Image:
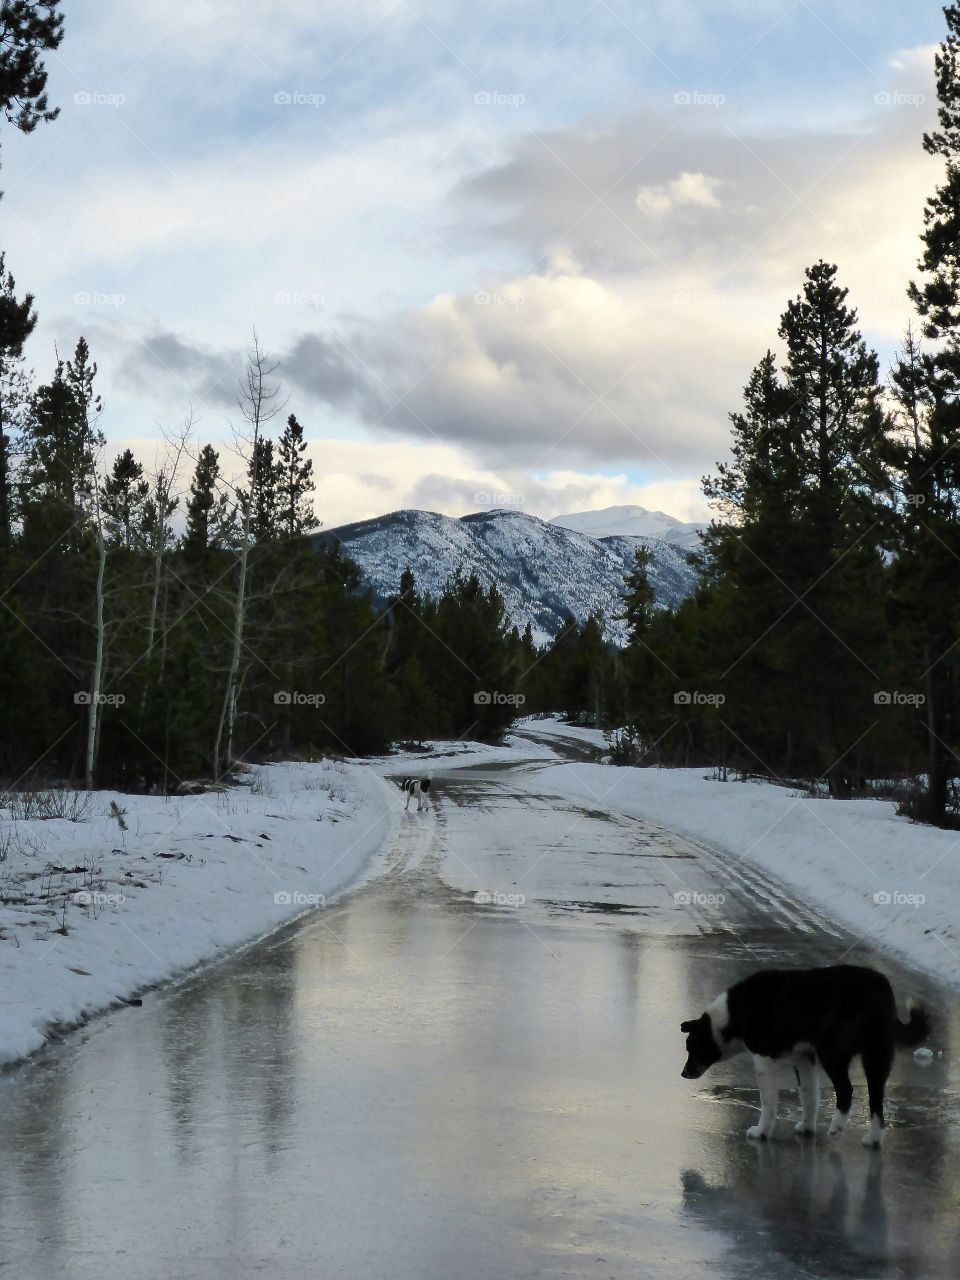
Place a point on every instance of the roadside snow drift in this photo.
(894, 882)
(91, 913)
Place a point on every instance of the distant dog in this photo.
(807, 1018)
(419, 787)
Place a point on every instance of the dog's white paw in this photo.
(873, 1140)
(804, 1130)
(838, 1123)
(757, 1133)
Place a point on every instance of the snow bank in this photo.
(896, 884)
(91, 914)
(444, 755)
(554, 727)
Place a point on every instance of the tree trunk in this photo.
(258, 403)
(228, 713)
(4, 489)
(937, 763)
(97, 680)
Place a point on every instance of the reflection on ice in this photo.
(470, 1067)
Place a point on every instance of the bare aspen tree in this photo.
(162, 506)
(81, 373)
(96, 678)
(259, 403)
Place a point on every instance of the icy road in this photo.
(470, 1068)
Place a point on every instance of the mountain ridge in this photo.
(632, 521)
(544, 571)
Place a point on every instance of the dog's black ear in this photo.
(686, 1027)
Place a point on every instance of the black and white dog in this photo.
(807, 1018)
(419, 787)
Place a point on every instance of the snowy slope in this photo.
(893, 882)
(632, 522)
(91, 914)
(543, 571)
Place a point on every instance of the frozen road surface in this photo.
(470, 1069)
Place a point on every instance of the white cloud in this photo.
(360, 479)
(655, 202)
(633, 266)
(695, 188)
(687, 189)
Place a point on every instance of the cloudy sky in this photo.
(506, 255)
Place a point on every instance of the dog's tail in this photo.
(916, 1028)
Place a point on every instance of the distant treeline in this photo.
(137, 656)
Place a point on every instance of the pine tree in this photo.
(638, 597)
(17, 322)
(209, 517)
(797, 550)
(407, 634)
(927, 387)
(263, 476)
(937, 296)
(764, 452)
(62, 440)
(28, 28)
(470, 656)
(294, 483)
(123, 497)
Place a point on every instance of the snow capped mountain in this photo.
(544, 571)
(632, 522)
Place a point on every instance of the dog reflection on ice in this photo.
(777, 1200)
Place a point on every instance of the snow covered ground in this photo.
(444, 755)
(90, 914)
(894, 882)
(554, 727)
